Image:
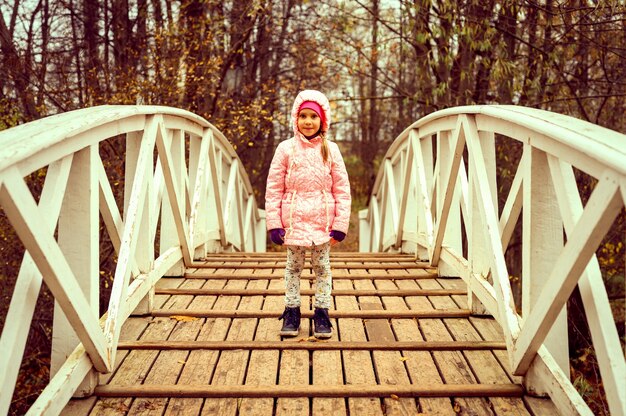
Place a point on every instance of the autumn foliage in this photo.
(384, 65)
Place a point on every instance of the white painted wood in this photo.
(542, 241)
(78, 239)
(144, 251)
(598, 215)
(567, 141)
(196, 168)
(479, 285)
(173, 193)
(52, 142)
(133, 216)
(198, 163)
(111, 214)
(27, 286)
(156, 201)
(239, 210)
(365, 245)
(375, 229)
(513, 205)
(247, 231)
(216, 191)
(593, 293)
(407, 203)
(452, 235)
(168, 237)
(393, 223)
(423, 163)
(60, 389)
(27, 221)
(477, 246)
(507, 315)
(558, 386)
(260, 227)
(141, 286)
(382, 224)
(447, 191)
(229, 201)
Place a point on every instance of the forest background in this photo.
(382, 63)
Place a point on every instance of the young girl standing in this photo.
(307, 206)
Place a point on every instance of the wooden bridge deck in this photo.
(403, 343)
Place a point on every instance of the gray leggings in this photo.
(320, 261)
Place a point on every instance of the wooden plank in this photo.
(200, 364)
(363, 314)
(451, 364)
(263, 364)
(231, 392)
(131, 330)
(540, 406)
(420, 365)
(489, 329)
(410, 265)
(389, 366)
(348, 257)
(327, 370)
(298, 345)
(484, 364)
(335, 254)
(294, 365)
(137, 364)
(307, 274)
(231, 367)
(278, 292)
(169, 364)
(358, 367)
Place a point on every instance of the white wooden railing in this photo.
(183, 183)
(436, 189)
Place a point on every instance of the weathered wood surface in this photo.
(391, 352)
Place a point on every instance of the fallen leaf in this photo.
(182, 362)
(457, 407)
(184, 318)
(403, 359)
(395, 397)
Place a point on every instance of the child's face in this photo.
(308, 122)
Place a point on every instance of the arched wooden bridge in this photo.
(424, 317)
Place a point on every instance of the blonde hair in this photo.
(325, 149)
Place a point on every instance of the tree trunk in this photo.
(19, 72)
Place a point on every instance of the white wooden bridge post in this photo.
(195, 146)
(169, 237)
(478, 252)
(425, 178)
(144, 253)
(364, 232)
(452, 234)
(542, 239)
(78, 237)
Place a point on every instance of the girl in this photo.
(307, 206)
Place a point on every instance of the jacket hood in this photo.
(310, 95)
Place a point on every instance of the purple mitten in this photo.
(337, 235)
(276, 235)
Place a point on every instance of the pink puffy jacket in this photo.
(304, 195)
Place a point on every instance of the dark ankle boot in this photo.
(321, 322)
(291, 322)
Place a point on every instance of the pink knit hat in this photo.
(312, 105)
